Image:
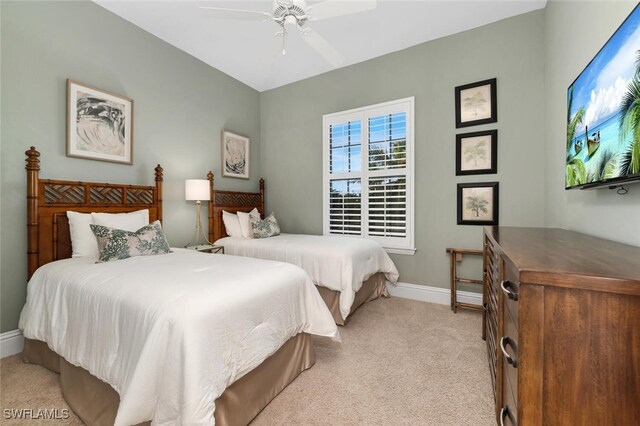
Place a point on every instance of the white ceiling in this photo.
(239, 48)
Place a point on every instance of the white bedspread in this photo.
(171, 332)
(336, 262)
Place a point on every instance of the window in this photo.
(368, 174)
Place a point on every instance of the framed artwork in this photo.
(478, 203)
(476, 103)
(99, 124)
(477, 153)
(235, 155)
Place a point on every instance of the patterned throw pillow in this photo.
(265, 228)
(116, 244)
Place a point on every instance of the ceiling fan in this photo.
(294, 14)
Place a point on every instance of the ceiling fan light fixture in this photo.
(290, 22)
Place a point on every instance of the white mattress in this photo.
(171, 332)
(336, 262)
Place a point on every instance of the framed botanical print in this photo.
(476, 103)
(235, 155)
(99, 124)
(478, 203)
(477, 153)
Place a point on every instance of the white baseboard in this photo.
(430, 294)
(11, 343)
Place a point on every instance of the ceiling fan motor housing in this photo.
(282, 9)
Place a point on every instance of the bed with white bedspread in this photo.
(170, 332)
(339, 263)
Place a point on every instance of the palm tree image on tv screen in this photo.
(603, 113)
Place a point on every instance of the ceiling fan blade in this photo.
(323, 47)
(332, 8)
(252, 15)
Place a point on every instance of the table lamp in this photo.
(197, 190)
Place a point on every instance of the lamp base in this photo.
(199, 239)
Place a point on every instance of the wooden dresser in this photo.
(562, 326)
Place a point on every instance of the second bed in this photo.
(348, 271)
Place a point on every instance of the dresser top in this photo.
(552, 251)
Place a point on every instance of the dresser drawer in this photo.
(510, 288)
(509, 340)
(509, 412)
(510, 384)
(508, 347)
(510, 327)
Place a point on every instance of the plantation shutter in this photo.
(345, 189)
(368, 174)
(388, 141)
(345, 210)
(345, 147)
(388, 207)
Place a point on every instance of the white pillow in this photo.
(245, 222)
(83, 242)
(125, 221)
(232, 224)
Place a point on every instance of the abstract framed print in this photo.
(235, 155)
(99, 124)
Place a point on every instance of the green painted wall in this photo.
(181, 105)
(575, 32)
(511, 50)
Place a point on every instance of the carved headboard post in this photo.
(159, 179)
(264, 212)
(33, 167)
(212, 202)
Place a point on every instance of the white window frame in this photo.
(391, 245)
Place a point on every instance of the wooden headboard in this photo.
(232, 202)
(48, 236)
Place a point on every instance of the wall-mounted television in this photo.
(603, 114)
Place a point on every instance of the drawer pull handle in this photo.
(506, 340)
(504, 412)
(506, 288)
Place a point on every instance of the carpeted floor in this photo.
(401, 362)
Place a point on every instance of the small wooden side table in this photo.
(207, 249)
(456, 255)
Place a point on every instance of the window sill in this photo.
(396, 250)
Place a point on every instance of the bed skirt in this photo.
(96, 402)
(371, 289)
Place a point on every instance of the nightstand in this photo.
(207, 249)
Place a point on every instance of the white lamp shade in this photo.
(196, 189)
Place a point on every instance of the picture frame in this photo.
(477, 153)
(235, 155)
(478, 203)
(99, 124)
(476, 103)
